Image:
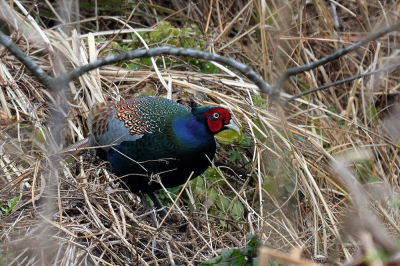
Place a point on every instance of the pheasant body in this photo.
(146, 138)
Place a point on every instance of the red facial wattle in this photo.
(215, 125)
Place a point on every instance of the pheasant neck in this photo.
(191, 131)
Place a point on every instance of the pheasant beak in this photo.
(232, 126)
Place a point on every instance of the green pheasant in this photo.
(151, 139)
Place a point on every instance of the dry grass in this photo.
(68, 214)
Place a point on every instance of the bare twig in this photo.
(293, 71)
(339, 82)
(57, 84)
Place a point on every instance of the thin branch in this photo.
(39, 73)
(57, 84)
(166, 50)
(339, 82)
(293, 71)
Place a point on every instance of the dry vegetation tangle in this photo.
(322, 173)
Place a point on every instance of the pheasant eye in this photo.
(216, 115)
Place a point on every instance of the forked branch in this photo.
(57, 84)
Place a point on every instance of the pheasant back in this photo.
(128, 120)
